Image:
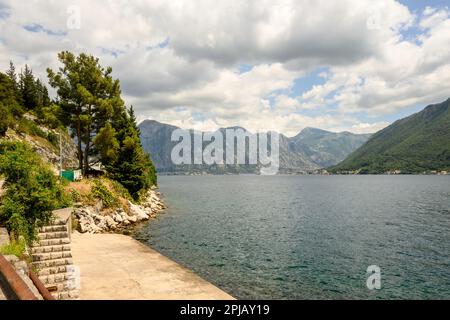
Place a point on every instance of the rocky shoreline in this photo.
(97, 219)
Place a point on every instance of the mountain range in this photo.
(416, 144)
(310, 150)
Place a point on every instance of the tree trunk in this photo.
(88, 145)
(86, 156)
(80, 150)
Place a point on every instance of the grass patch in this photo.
(100, 191)
(120, 190)
(15, 248)
(89, 191)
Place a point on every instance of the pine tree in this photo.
(42, 98)
(89, 97)
(28, 89)
(92, 107)
(106, 144)
(11, 73)
(133, 120)
(133, 168)
(9, 107)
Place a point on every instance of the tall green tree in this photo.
(88, 96)
(28, 88)
(132, 167)
(11, 73)
(9, 107)
(107, 144)
(42, 98)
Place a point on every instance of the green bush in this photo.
(10, 109)
(75, 195)
(121, 190)
(32, 190)
(31, 128)
(53, 138)
(50, 116)
(6, 120)
(100, 191)
(16, 248)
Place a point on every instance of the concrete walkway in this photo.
(114, 266)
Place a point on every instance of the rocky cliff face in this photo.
(48, 151)
(310, 150)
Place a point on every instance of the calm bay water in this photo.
(309, 237)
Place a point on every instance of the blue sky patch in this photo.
(161, 45)
(417, 6)
(243, 68)
(180, 109)
(113, 52)
(37, 28)
(306, 83)
(5, 12)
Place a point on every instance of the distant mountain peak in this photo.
(311, 129)
(234, 128)
(150, 121)
(311, 149)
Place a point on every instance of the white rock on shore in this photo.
(96, 220)
(137, 211)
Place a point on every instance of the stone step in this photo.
(59, 222)
(47, 249)
(53, 242)
(53, 235)
(66, 295)
(57, 228)
(53, 270)
(53, 263)
(51, 256)
(52, 279)
(60, 286)
(65, 286)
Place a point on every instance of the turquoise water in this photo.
(309, 237)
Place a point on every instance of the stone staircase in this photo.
(52, 257)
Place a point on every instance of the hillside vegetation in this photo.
(416, 144)
(88, 110)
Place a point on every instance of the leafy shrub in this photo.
(121, 190)
(6, 120)
(31, 128)
(100, 191)
(32, 190)
(53, 138)
(9, 107)
(37, 131)
(50, 116)
(16, 248)
(75, 195)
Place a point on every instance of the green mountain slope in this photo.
(327, 148)
(418, 143)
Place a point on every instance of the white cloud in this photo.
(178, 61)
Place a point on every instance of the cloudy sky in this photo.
(355, 65)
